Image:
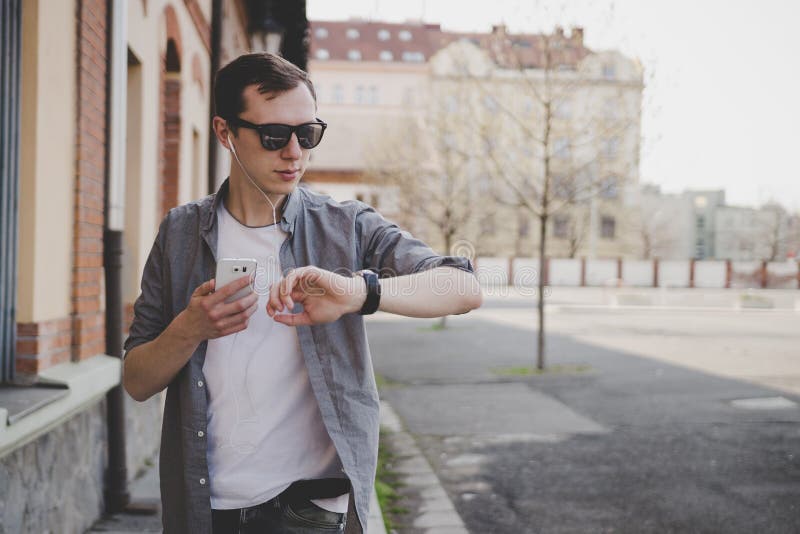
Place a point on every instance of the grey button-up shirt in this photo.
(346, 236)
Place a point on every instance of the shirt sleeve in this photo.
(390, 251)
(148, 310)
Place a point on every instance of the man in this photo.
(271, 416)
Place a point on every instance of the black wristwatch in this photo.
(373, 299)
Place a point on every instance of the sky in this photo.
(721, 106)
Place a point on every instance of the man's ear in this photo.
(221, 130)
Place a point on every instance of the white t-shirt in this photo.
(265, 429)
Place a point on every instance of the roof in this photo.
(359, 40)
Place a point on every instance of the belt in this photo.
(318, 488)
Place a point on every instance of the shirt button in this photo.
(200, 434)
(199, 383)
(202, 482)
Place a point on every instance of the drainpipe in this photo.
(116, 487)
(10, 77)
(216, 40)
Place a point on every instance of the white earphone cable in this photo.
(272, 205)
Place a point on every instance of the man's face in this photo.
(275, 171)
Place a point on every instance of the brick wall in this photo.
(41, 345)
(170, 105)
(88, 330)
(170, 149)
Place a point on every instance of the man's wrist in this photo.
(182, 333)
(358, 293)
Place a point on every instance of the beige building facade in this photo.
(373, 78)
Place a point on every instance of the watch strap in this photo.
(373, 299)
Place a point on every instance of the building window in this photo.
(610, 148)
(373, 95)
(563, 110)
(488, 224)
(609, 187)
(561, 148)
(360, 197)
(352, 33)
(524, 225)
(373, 199)
(338, 94)
(322, 53)
(527, 105)
(385, 55)
(610, 108)
(359, 98)
(608, 227)
(354, 55)
(562, 187)
(384, 35)
(321, 33)
(609, 72)
(408, 96)
(413, 57)
(561, 226)
(404, 35)
(701, 223)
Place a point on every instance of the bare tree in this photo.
(428, 161)
(551, 131)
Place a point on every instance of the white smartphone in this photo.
(230, 269)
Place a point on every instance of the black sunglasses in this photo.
(277, 136)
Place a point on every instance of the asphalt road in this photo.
(641, 430)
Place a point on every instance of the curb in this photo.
(437, 514)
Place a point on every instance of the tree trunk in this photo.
(542, 264)
(448, 239)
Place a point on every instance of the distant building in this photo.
(700, 225)
(752, 234)
(370, 76)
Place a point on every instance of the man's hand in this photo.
(325, 296)
(208, 316)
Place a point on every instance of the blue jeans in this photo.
(281, 515)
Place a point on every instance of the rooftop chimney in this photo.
(577, 35)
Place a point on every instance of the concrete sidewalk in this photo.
(146, 496)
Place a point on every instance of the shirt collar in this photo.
(288, 214)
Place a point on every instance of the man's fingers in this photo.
(205, 288)
(227, 290)
(293, 319)
(237, 306)
(287, 286)
(274, 300)
(234, 321)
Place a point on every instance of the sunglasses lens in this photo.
(309, 135)
(275, 136)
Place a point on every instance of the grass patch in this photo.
(533, 371)
(382, 382)
(386, 480)
(435, 327)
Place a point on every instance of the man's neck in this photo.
(248, 206)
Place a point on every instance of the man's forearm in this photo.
(151, 366)
(433, 293)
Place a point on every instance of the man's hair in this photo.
(271, 73)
